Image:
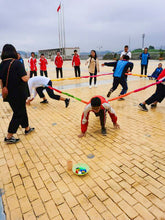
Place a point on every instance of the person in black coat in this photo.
(17, 91)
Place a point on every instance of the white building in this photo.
(66, 53)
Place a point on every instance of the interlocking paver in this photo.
(113, 208)
(57, 197)
(99, 206)
(16, 214)
(84, 202)
(123, 217)
(20, 191)
(129, 210)
(29, 215)
(65, 211)
(127, 173)
(143, 212)
(70, 199)
(142, 199)
(12, 202)
(113, 195)
(156, 212)
(127, 197)
(79, 213)
(93, 214)
(107, 215)
(51, 209)
(38, 207)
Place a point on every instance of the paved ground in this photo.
(127, 174)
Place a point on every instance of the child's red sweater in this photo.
(88, 109)
(58, 61)
(43, 64)
(76, 60)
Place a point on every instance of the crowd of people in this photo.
(20, 88)
(92, 62)
(58, 61)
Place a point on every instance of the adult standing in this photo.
(14, 77)
(145, 56)
(59, 62)
(93, 66)
(43, 65)
(125, 52)
(20, 58)
(33, 65)
(76, 63)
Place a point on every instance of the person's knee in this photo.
(51, 95)
(20, 113)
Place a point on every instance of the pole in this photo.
(63, 24)
(143, 36)
(99, 55)
(59, 34)
(129, 43)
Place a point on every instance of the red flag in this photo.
(59, 7)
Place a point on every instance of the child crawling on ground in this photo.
(100, 106)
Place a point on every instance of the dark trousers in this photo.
(49, 91)
(19, 116)
(91, 78)
(144, 67)
(158, 96)
(57, 72)
(122, 81)
(33, 73)
(77, 70)
(42, 72)
(102, 115)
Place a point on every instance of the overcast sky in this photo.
(33, 24)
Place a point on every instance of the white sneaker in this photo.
(95, 85)
(90, 87)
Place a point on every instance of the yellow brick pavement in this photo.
(127, 174)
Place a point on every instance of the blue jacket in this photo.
(120, 67)
(144, 58)
(157, 72)
(21, 60)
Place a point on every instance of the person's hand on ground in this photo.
(116, 126)
(29, 100)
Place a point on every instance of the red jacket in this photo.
(88, 109)
(43, 64)
(33, 64)
(58, 61)
(76, 60)
(161, 75)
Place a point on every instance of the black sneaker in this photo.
(44, 101)
(11, 140)
(29, 131)
(67, 102)
(143, 107)
(153, 106)
(109, 93)
(103, 131)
